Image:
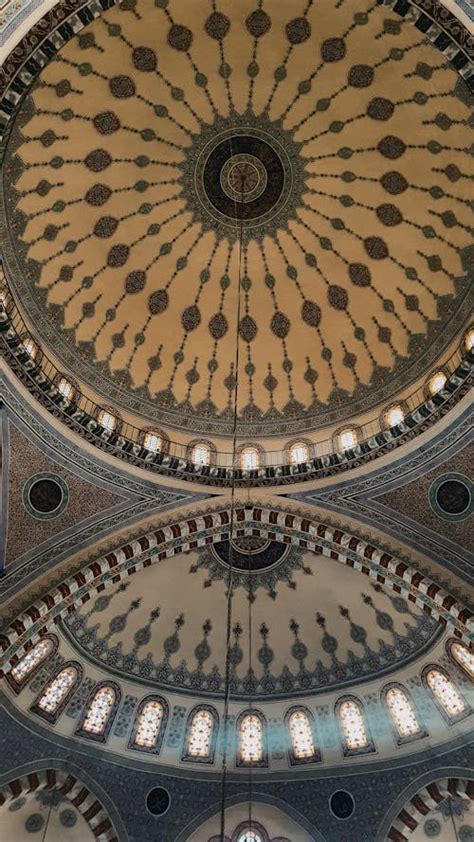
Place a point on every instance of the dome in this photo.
(173, 184)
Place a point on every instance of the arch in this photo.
(52, 712)
(35, 657)
(437, 681)
(69, 786)
(250, 717)
(210, 527)
(461, 656)
(256, 827)
(413, 729)
(423, 801)
(313, 756)
(210, 725)
(110, 711)
(352, 707)
(145, 746)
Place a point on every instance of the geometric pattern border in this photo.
(90, 808)
(414, 423)
(424, 801)
(182, 536)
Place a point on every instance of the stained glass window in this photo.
(352, 723)
(249, 458)
(394, 416)
(249, 836)
(201, 454)
(99, 710)
(65, 388)
(57, 690)
(402, 712)
(200, 734)
(153, 442)
(149, 722)
(301, 735)
(34, 657)
(299, 452)
(347, 439)
(463, 657)
(251, 739)
(445, 692)
(436, 383)
(107, 420)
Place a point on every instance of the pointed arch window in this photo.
(99, 712)
(299, 452)
(32, 660)
(251, 739)
(463, 657)
(353, 727)
(249, 458)
(150, 724)
(201, 454)
(300, 727)
(402, 713)
(201, 735)
(53, 698)
(446, 694)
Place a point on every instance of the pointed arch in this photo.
(36, 657)
(54, 696)
(462, 656)
(419, 804)
(444, 692)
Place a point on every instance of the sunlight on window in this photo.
(30, 347)
(107, 420)
(299, 453)
(445, 692)
(463, 657)
(249, 458)
(201, 454)
(99, 711)
(250, 836)
(34, 657)
(153, 442)
(301, 735)
(402, 712)
(57, 690)
(353, 725)
(149, 723)
(251, 739)
(437, 382)
(65, 388)
(347, 439)
(200, 734)
(394, 416)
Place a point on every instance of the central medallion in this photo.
(244, 174)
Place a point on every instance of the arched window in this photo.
(30, 347)
(249, 458)
(107, 420)
(201, 735)
(251, 739)
(300, 727)
(153, 442)
(462, 656)
(150, 724)
(299, 452)
(65, 388)
(448, 697)
(394, 416)
(347, 439)
(31, 661)
(201, 454)
(469, 339)
(54, 696)
(402, 712)
(437, 382)
(249, 836)
(355, 736)
(99, 712)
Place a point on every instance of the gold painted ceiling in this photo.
(314, 152)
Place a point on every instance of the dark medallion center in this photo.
(45, 495)
(250, 554)
(453, 497)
